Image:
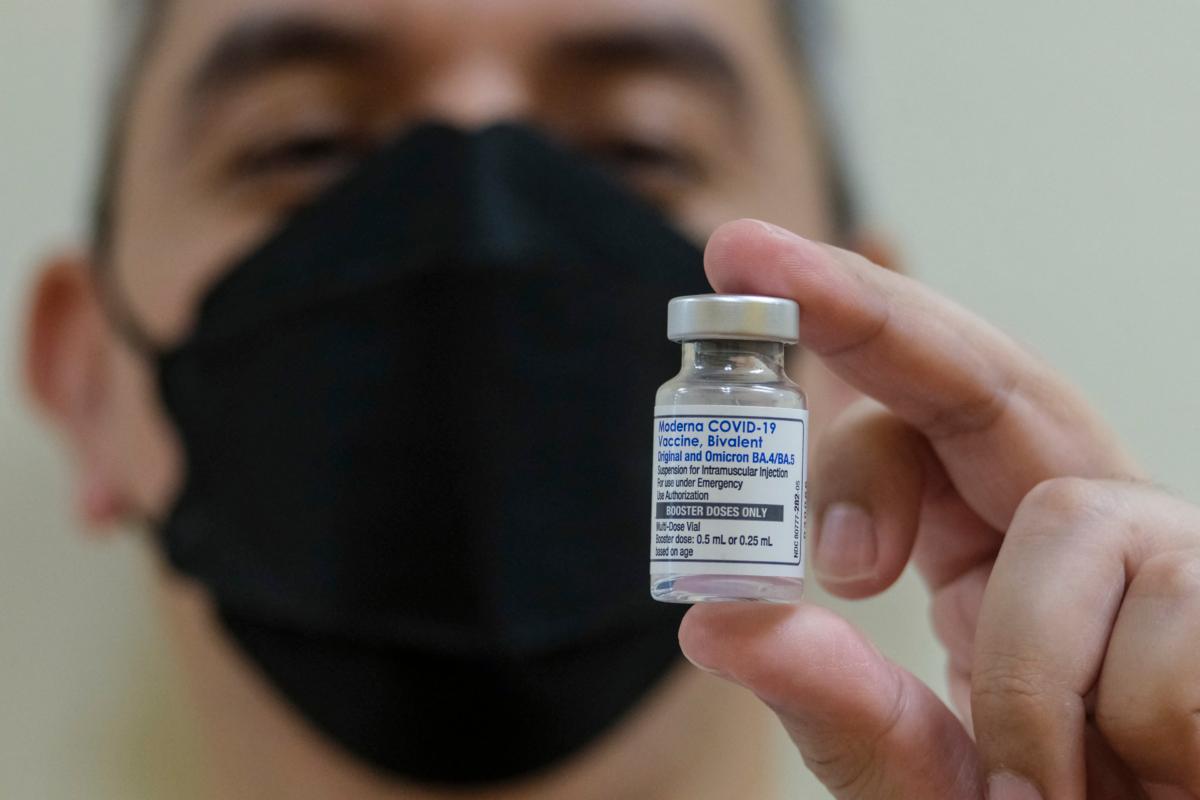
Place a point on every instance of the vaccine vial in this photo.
(730, 456)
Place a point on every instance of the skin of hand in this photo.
(1065, 589)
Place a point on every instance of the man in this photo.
(260, 353)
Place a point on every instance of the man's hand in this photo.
(1066, 593)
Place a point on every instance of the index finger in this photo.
(1000, 421)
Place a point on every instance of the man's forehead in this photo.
(194, 25)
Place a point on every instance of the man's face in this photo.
(246, 108)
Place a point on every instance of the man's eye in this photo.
(299, 154)
(642, 156)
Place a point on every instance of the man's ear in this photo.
(877, 248)
(69, 373)
(827, 392)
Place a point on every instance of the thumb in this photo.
(867, 728)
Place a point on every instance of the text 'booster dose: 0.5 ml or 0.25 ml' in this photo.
(730, 456)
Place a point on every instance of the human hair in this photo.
(140, 22)
(805, 25)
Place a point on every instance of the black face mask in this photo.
(418, 453)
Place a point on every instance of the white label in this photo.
(729, 490)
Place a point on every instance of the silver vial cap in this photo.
(733, 316)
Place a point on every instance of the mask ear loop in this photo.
(135, 337)
(120, 316)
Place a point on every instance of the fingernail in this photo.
(775, 230)
(1006, 786)
(846, 548)
(705, 668)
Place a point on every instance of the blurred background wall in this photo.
(1036, 161)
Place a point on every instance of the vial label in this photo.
(729, 490)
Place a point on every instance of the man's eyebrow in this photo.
(673, 47)
(259, 43)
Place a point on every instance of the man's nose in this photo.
(477, 92)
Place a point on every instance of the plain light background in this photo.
(1036, 161)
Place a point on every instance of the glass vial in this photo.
(730, 456)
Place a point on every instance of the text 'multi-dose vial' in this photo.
(730, 456)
